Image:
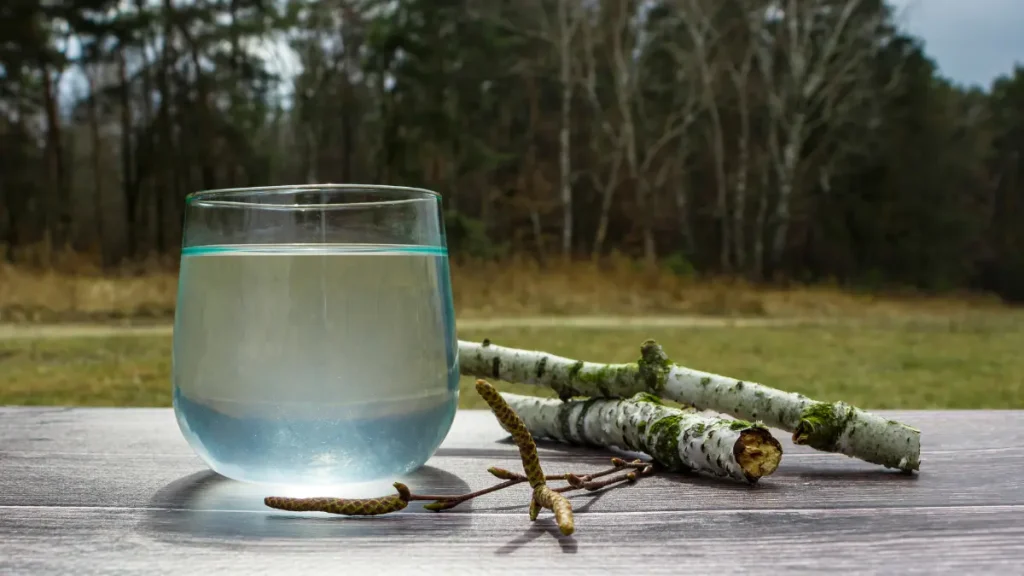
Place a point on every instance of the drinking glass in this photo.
(314, 334)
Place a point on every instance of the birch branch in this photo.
(829, 427)
(677, 440)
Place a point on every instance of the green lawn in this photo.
(978, 365)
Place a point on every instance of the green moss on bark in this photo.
(821, 424)
(739, 425)
(654, 366)
(665, 432)
(647, 397)
(601, 377)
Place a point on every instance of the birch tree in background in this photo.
(739, 74)
(674, 89)
(649, 109)
(698, 17)
(568, 21)
(813, 57)
(623, 45)
(606, 134)
(809, 132)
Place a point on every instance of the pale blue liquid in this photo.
(315, 365)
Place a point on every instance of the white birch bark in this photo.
(829, 427)
(678, 440)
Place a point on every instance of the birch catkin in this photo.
(543, 497)
(346, 506)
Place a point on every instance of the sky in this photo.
(972, 41)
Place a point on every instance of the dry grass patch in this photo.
(73, 290)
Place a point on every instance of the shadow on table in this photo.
(576, 451)
(208, 506)
(535, 531)
(839, 468)
(827, 472)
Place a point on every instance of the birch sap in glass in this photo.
(314, 338)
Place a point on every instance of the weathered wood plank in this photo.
(119, 491)
(128, 457)
(903, 541)
(98, 480)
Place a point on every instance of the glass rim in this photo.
(237, 196)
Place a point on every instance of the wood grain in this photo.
(119, 491)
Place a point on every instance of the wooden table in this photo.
(89, 491)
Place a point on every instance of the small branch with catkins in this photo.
(543, 496)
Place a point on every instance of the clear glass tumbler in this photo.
(314, 335)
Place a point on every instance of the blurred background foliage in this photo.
(767, 140)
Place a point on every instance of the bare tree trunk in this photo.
(58, 209)
(204, 119)
(816, 61)
(624, 90)
(740, 191)
(312, 154)
(170, 190)
(787, 182)
(721, 187)
(681, 195)
(538, 235)
(607, 193)
(564, 132)
(740, 80)
(761, 219)
(530, 170)
(608, 186)
(701, 28)
(157, 157)
(97, 166)
(128, 183)
(347, 130)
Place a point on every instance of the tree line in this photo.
(794, 139)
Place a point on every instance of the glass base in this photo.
(313, 452)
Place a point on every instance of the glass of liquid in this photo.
(314, 335)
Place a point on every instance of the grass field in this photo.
(967, 364)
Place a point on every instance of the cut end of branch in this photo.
(757, 452)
